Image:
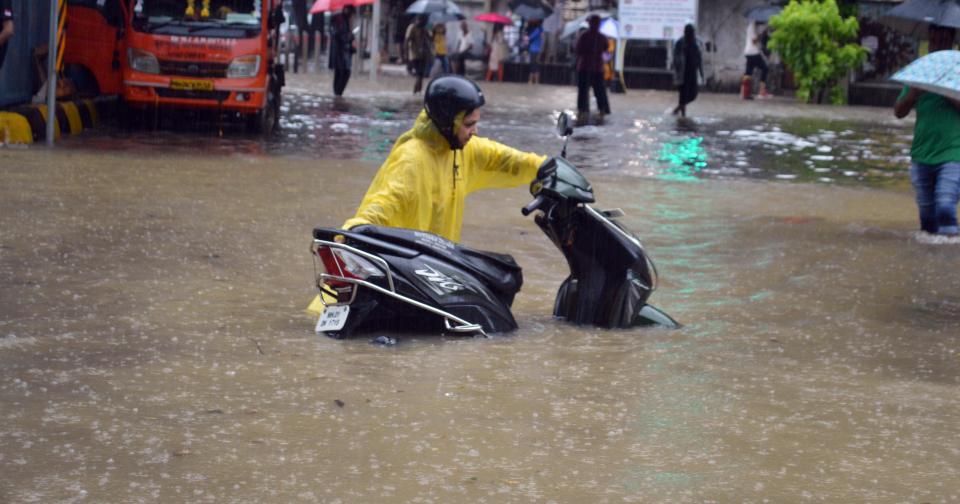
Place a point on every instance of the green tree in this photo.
(816, 43)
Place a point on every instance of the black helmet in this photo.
(445, 97)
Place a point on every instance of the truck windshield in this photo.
(221, 19)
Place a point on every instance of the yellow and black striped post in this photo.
(61, 33)
(58, 32)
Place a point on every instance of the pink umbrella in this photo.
(493, 17)
(335, 5)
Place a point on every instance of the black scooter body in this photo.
(469, 284)
(611, 277)
(609, 280)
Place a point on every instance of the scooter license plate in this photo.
(333, 318)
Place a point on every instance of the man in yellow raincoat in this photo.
(434, 166)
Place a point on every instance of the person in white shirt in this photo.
(753, 51)
(464, 46)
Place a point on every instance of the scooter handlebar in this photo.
(535, 204)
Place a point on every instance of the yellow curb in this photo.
(73, 117)
(14, 129)
(46, 117)
(94, 112)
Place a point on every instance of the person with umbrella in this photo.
(418, 44)
(935, 152)
(342, 47)
(499, 52)
(753, 51)
(464, 46)
(589, 49)
(440, 47)
(535, 49)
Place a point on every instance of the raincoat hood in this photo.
(426, 131)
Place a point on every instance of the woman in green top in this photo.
(935, 153)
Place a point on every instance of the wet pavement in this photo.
(154, 346)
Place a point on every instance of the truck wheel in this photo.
(266, 120)
(83, 80)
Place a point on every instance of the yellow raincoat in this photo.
(418, 188)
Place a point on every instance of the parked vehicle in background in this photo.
(93, 53)
(219, 55)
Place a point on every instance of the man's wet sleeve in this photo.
(500, 166)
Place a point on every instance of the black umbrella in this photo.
(572, 27)
(762, 13)
(530, 9)
(444, 10)
(913, 17)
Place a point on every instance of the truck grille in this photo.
(193, 68)
(193, 95)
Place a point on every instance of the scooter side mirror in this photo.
(564, 126)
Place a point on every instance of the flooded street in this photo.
(155, 348)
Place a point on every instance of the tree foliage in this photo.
(818, 45)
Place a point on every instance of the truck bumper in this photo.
(143, 94)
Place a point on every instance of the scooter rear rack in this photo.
(449, 319)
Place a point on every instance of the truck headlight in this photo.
(244, 66)
(143, 61)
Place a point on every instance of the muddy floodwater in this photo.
(154, 345)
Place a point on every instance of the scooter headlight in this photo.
(535, 187)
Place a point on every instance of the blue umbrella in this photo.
(937, 72)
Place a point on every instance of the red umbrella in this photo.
(493, 17)
(335, 5)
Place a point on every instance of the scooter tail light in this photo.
(345, 264)
(357, 266)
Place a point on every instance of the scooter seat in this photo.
(500, 272)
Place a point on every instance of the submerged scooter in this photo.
(381, 279)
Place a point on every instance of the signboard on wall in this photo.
(655, 19)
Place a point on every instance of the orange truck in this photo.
(219, 55)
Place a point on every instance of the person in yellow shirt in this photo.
(440, 47)
(432, 167)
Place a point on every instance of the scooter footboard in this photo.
(593, 303)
